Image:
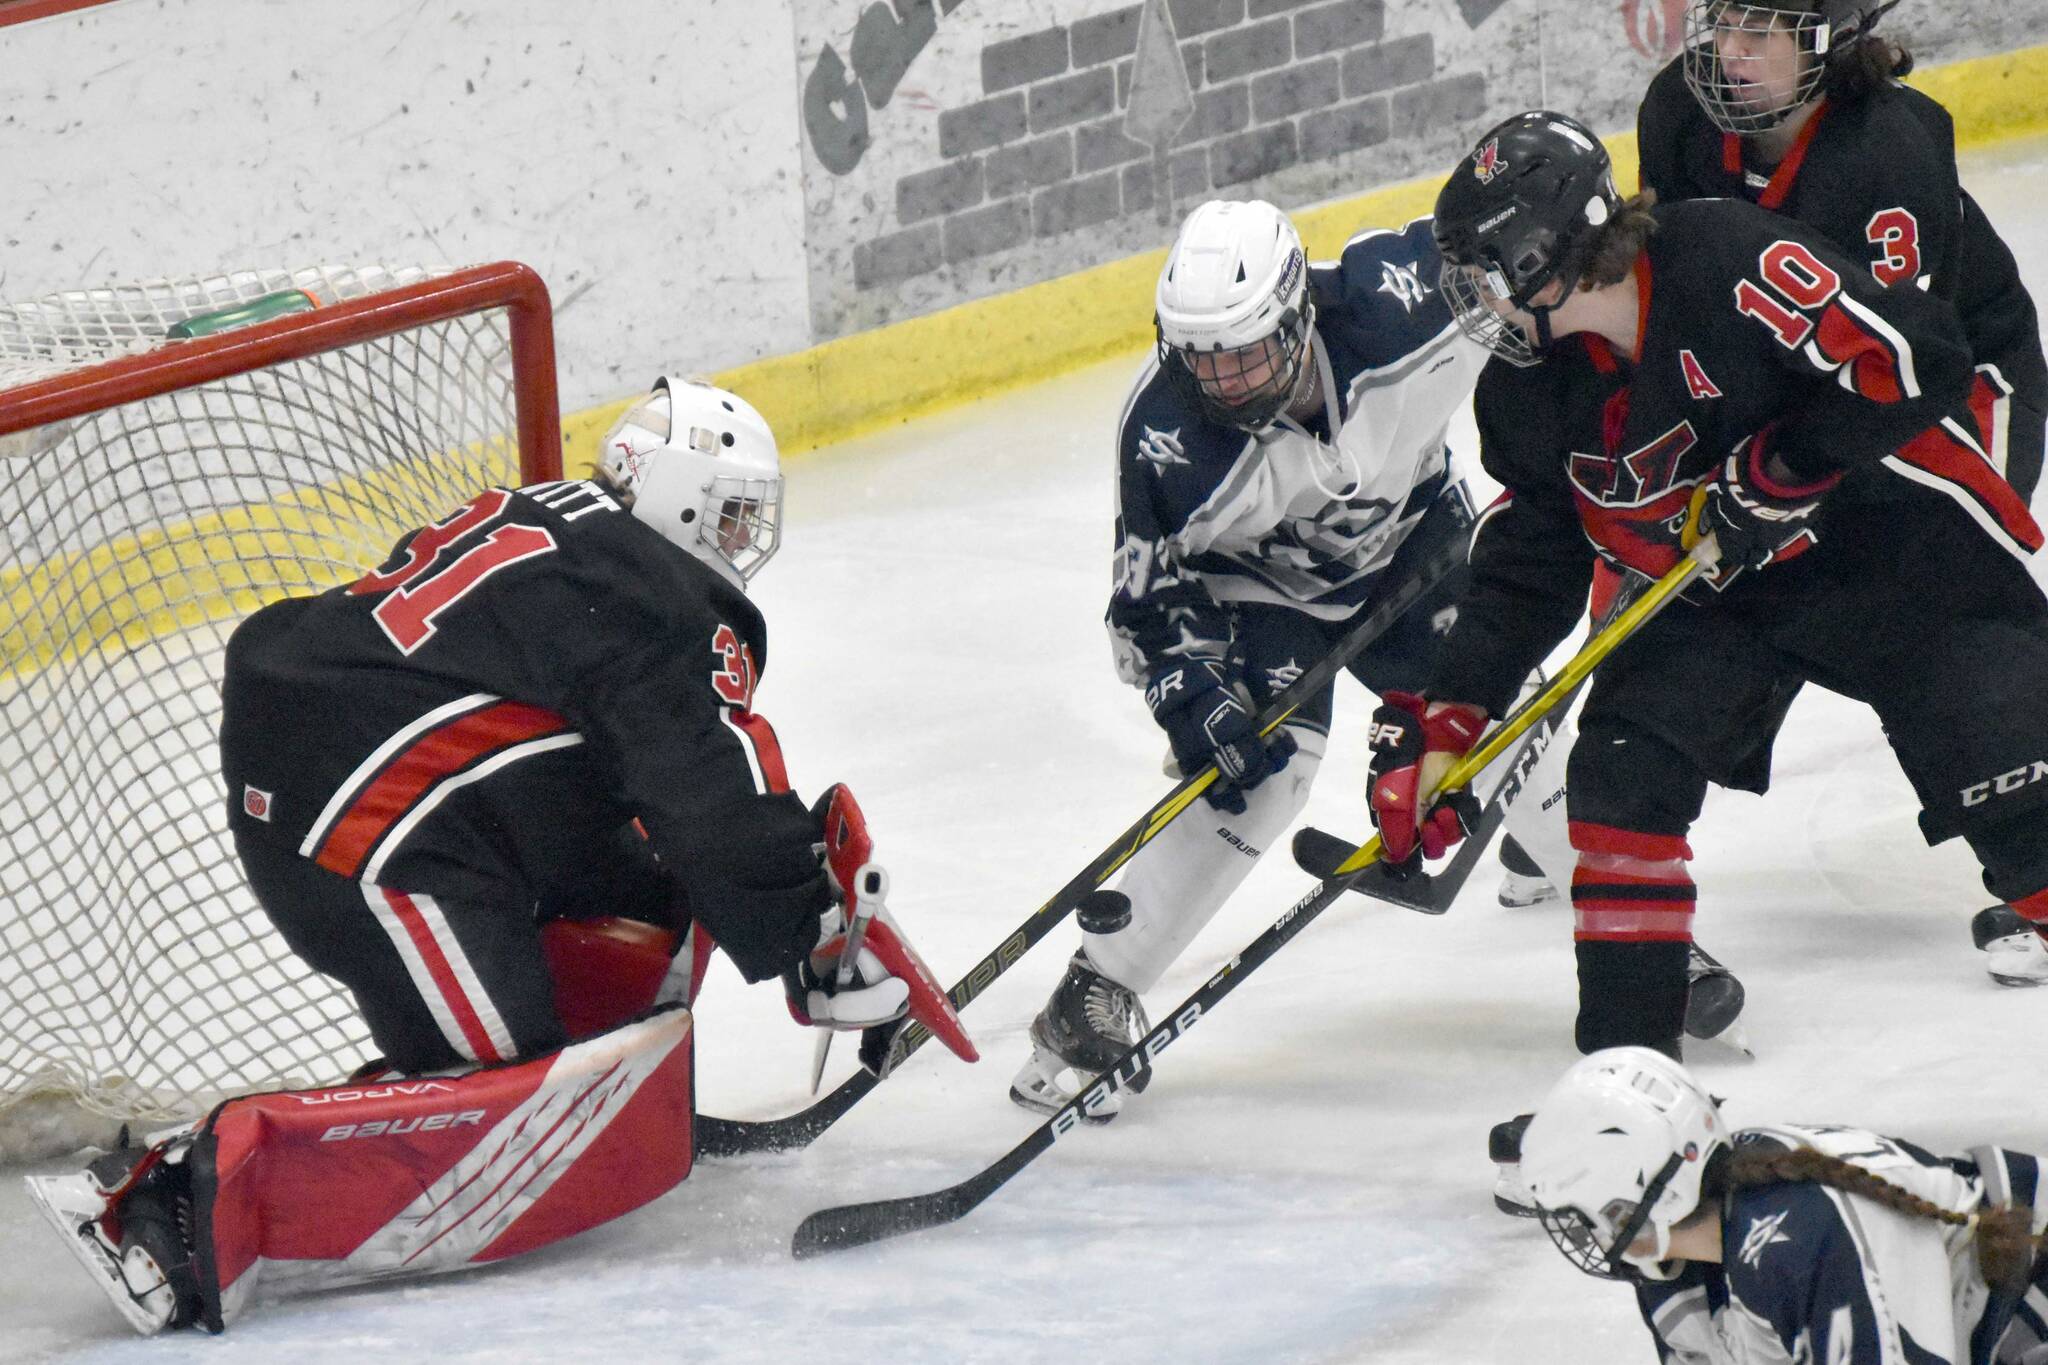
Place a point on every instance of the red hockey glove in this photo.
(1756, 518)
(1414, 743)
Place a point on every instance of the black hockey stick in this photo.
(850, 1225)
(734, 1137)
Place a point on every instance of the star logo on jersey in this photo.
(1283, 676)
(1402, 282)
(1763, 1233)
(1161, 448)
(1486, 162)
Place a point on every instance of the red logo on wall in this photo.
(1656, 28)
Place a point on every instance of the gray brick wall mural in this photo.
(959, 148)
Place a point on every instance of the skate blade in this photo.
(67, 1202)
(1050, 1107)
(1734, 1037)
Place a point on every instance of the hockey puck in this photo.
(1712, 1005)
(1103, 912)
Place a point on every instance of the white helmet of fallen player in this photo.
(1750, 65)
(701, 467)
(1233, 312)
(1616, 1151)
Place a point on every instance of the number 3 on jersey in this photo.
(734, 680)
(422, 587)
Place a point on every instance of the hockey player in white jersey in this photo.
(1787, 1243)
(1281, 468)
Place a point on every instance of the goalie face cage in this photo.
(154, 493)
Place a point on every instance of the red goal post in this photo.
(153, 492)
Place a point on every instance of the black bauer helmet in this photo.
(1521, 211)
(1825, 31)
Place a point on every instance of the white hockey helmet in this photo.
(1233, 312)
(1618, 1148)
(701, 467)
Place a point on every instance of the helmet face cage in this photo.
(1246, 386)
(1745, 107)
(1599, 1246)
(1467, 289)
(746, 527)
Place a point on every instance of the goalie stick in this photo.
(881, 1055)
(850, 1225)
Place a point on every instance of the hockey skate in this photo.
(1522, 882)
(1713, 1002)
(1089, 1023)
(1504, 1147)
(2014, 951)
(147, 1271)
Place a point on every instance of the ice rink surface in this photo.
(1306, 1179)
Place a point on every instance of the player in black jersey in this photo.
(1786, 1242)
(510, 788)
(1795, 105)
(1710, 367)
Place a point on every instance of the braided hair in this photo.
(2006, 1245)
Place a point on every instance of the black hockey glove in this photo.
(1755, 518)
(1203, 712)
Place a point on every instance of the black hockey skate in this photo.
(149, 1273)
(1504, 1149)
(2015, 952)
(1713, 1001)
(1522, 882)
(1088, 1024)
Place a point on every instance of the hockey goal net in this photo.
(173, 455)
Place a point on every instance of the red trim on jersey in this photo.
(1731, 153)
(1941, 455)
(1873, 365)
(1601, 354)
(767, 749)
(1780, 188)
(2034, 907)
(438, 754)
(424, 943)
(1588, 837)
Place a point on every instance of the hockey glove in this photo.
(1206, 720)
(1414, 743)
(870, 994)
(1756, 518)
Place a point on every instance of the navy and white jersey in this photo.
(1209, 516)
(1813, 1274)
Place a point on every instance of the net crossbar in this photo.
(154, 492)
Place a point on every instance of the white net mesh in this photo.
(138, 978)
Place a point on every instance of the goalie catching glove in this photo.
(1202, 709)
(1414, 743)
(863, 974)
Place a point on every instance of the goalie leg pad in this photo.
(605, 970)
(310, 1189)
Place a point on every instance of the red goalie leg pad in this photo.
(605, 970)
(310, 1189)
(1630, 887)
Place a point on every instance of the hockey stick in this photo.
(735, 1137)
(849, 1225)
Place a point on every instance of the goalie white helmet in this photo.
(1618, 1149)
(701, 467)
(1233, 312)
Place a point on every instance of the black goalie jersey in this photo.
(1750, 326)
(486, 714)
(1877, 178)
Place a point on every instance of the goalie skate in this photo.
(1087, 1025)
(148, 1273)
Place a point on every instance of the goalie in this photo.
(510, 789)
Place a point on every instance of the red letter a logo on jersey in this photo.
(1696, 381)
